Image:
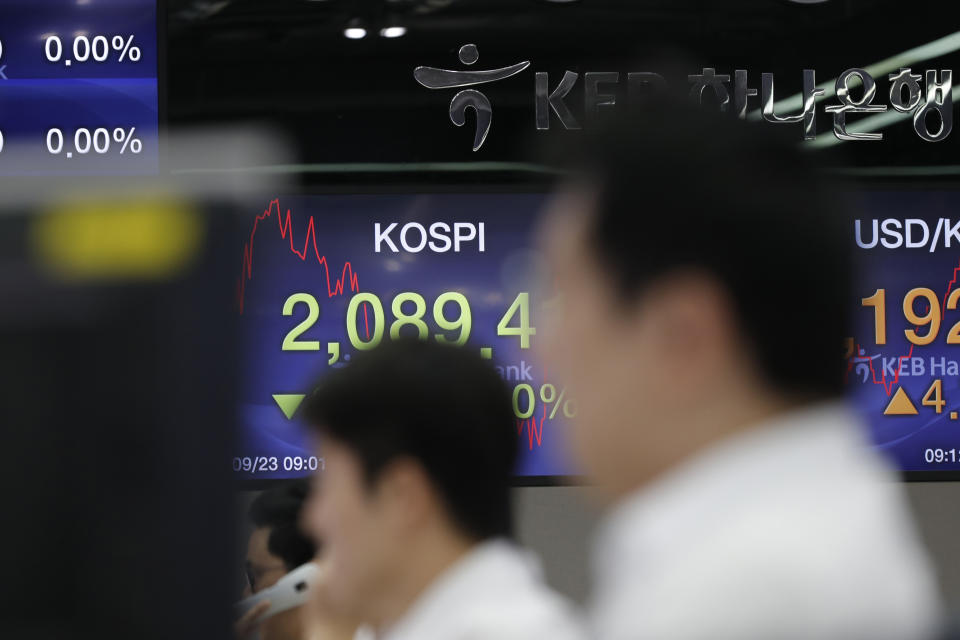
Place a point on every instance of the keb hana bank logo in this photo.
(926, 100)
(434, 78)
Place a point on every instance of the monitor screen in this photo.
(323, 277)
(78, 87)
(903, 364)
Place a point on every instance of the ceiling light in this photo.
(355, 30)
(395, 31)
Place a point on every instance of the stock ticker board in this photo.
(323, 277)
(902, 359)
(78, 87)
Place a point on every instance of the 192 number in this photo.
(932, 317)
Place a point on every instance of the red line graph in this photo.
(348, 278)
(534, 431)
(889, 385)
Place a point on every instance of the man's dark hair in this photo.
(681, 188)
(441, 406)
(279, 509)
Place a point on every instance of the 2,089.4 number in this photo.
(408, 310)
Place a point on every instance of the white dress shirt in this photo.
(796, 529)
(494, 593)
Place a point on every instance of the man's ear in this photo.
(693, 316)
(406, 492)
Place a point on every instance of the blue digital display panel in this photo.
(325, 276)
(903, 359)
(78, 87)
(306, 258)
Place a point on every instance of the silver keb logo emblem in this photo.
(434, 78)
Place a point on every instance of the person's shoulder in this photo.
(795, 561)
(555, 626)
(508, 599)
(527, 608)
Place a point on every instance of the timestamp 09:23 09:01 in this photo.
(270, 464)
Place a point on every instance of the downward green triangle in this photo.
(288, 402)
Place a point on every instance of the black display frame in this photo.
(412, 188)
(886, 179)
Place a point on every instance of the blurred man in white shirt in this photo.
(703, 272)
(413, 506)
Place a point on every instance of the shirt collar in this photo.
(494, 564)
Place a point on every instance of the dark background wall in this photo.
(287, 63)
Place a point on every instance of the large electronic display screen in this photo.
(78, 87)
(325, 276)
(322, 277)
(903, 359)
